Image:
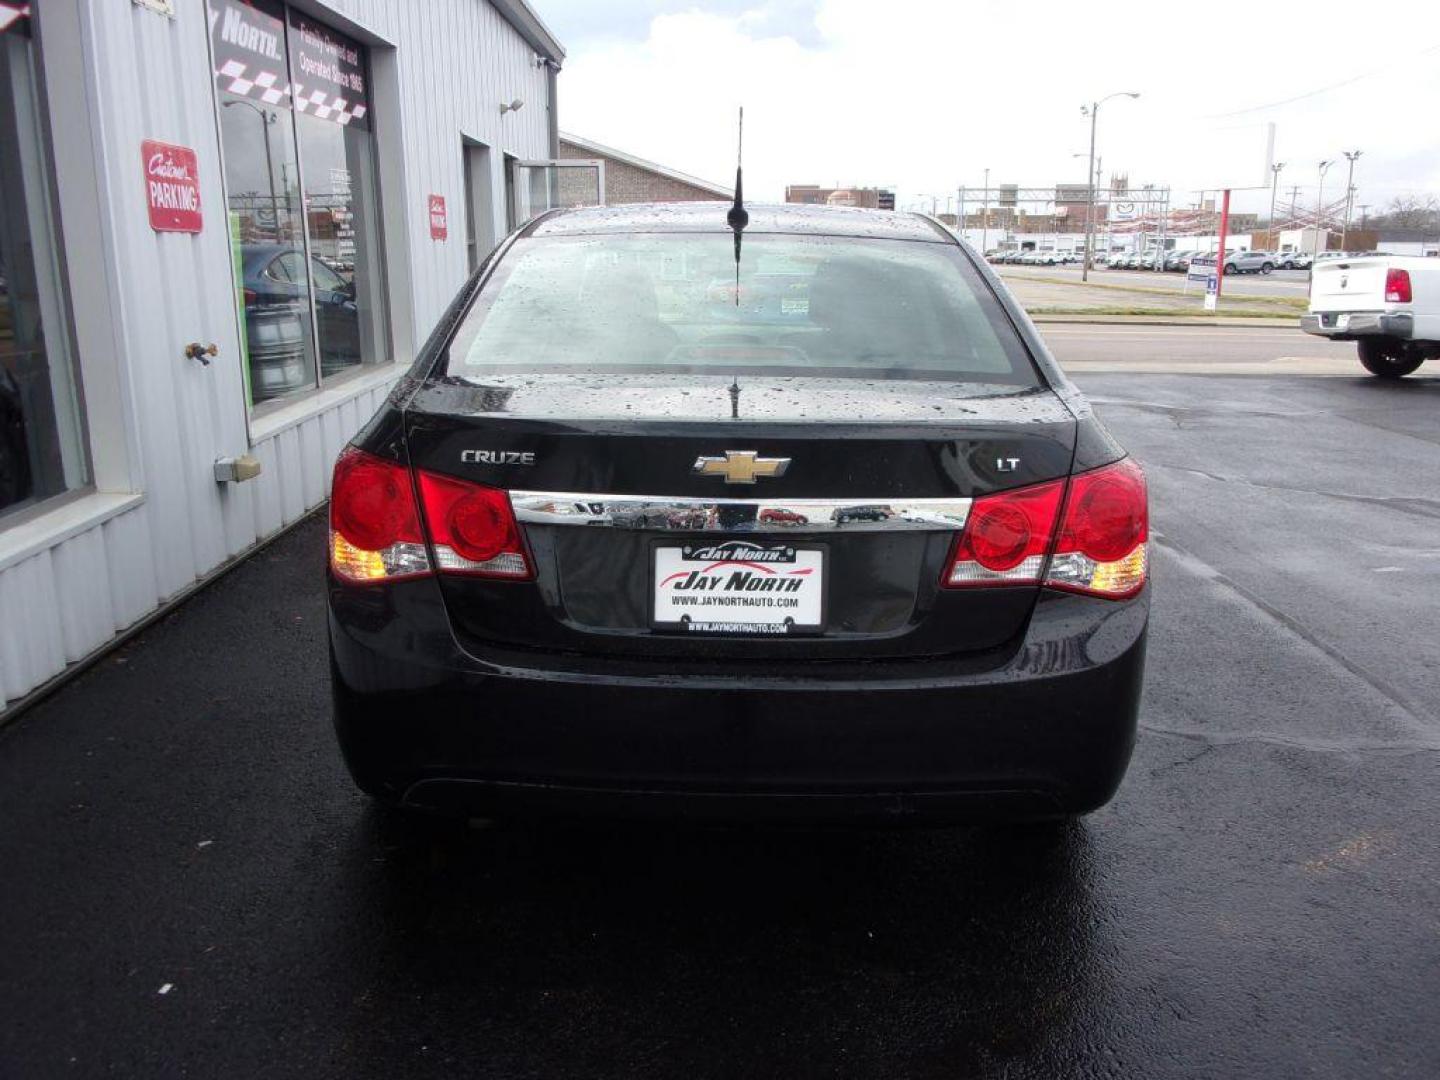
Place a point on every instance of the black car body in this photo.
(565, 570)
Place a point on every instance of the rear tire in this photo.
(1266, 268)
(1389, 359)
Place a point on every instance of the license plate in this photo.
(739, 587)
(1342, 322)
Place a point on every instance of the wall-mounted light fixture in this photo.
(513, 106)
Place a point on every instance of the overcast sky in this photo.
(923, 95)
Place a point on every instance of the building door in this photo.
(479, 203)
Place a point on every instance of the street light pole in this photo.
(1094, 110)
(266, 119)
(1274, 190)
(1350, 156)
(985, 216)
(1320, 207)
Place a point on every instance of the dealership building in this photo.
(226, 227)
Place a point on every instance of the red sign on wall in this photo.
(439, 228)
(172, 187)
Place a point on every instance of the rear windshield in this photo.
(804, 305)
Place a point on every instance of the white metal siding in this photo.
(149, 78)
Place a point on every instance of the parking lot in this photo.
(194, 889)
(1293, 283)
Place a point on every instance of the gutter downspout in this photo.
(551, 71)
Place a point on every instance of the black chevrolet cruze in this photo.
(566, 572)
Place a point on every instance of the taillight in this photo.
(1006, 537)
(1094, 531)
(374, 524)
(1101, 549)
(376, 533)
(1397, 287)
(472, 528)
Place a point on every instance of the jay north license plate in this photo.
(739, 587)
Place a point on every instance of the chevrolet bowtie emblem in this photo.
(741, 466)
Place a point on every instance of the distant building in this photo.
(814, 195)
(1400, 241)
(631, 179)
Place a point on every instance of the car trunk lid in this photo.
(603, 472)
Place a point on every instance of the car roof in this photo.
(697, 217)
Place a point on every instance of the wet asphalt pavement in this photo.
(1261, 899)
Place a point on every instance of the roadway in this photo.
(1166, 349)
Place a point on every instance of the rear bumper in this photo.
(1045, 729)
(1359, 324)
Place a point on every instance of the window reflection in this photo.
(339, 200)
(299, 171)
(41, 425)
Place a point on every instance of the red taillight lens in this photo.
(250, 297)
(1006, 537)
(1098, 539)
(1397, 287)
(1101, 548)
(374, 526)
(473, 528)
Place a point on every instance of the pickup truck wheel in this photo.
(1389, 359)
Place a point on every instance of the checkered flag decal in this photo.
(11, 13)
(270, 88)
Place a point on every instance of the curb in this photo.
(1286, 323)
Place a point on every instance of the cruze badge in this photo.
(741, 466)
(498, 457)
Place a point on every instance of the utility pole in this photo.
(1364, 210)
(985, 216)
(1320, 206)
(1350, 156)
(1274, 188)
(1294, 197)
(960, 218)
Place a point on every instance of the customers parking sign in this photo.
(172, 187)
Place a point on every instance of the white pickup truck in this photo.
(1389, 304)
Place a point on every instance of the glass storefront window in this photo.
(300, 180)
(42, 442)
(338, 157)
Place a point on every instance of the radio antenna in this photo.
(738, 217)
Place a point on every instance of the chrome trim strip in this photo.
(670, 513)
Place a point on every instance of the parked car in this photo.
(1249, 262)
(776, 515)
(1389, 305)
(1293, 260)
(847, 514)
(1178, 261)
(981, 657)
(277, 313)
